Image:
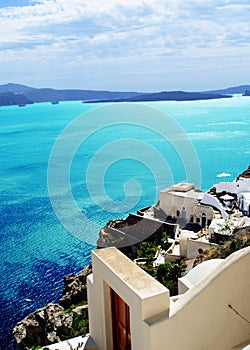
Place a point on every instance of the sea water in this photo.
(115, 165)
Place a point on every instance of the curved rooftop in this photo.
(199, 272)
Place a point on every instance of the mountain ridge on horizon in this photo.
(13, 93)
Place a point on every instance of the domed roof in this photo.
(199, 272)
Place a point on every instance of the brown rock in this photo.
(52, 323)
(75, 288)
(43, 327)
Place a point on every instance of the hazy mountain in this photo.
(49, 95)
(29, 94)
(10, 98)
(230, 90)
(169, 96)
(176, 96)
(10, 87)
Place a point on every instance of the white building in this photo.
(182, 201)
(240, 187)
(128, 309)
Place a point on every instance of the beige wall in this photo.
(193, 247)
(145, 297)
(200, 209)
(199, 319)
(171, 203)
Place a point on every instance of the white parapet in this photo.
(79, 343)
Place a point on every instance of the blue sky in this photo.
(143, 45)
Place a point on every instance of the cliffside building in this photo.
(179, 201)
(128, 309)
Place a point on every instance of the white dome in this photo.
(199, 272)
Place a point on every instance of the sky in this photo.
(129, 45)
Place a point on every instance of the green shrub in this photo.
(80, 326)
(147, 250)
(168, 275)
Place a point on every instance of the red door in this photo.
(120, 323)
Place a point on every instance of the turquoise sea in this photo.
(109, 161)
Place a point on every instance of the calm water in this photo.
(36, 249)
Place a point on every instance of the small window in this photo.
(178, 213)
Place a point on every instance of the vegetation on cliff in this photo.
(168, 273)
(54, 323)
(239, 240)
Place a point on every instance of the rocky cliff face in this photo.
(53, 322)
(246, 173)
(75, 288)
(43, 326)
(240, 239)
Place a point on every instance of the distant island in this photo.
(169, 96)
(10, 98)
(22, 94)
(17, 94)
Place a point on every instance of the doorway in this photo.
(120, 322)
(203, 220)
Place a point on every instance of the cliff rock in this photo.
(75, 288)
(43, 326)
(54, 323)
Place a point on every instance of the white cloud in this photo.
(154, 32)
(171, 23)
